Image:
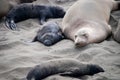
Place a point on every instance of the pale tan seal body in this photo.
(86, 21)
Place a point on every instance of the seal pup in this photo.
(49, 34)
(86, 21)
(27, 10)
(64, 67)
(26, 1)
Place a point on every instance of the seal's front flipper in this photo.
(73, 72)
(42, 20)
(10, 24)
(66, 74)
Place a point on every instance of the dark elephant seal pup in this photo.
(49, 34)
(65, 67)
(27, 10)
(86, 21)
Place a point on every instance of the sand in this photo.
(18, 54)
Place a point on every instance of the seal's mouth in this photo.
(80, 42)
(48, 42)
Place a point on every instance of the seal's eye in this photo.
(85, 35)
(75, 36)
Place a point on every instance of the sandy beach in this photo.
(18, 54)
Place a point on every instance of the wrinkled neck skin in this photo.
(70, 29)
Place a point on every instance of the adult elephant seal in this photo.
(6, 5)
(65, 67)
(26, 11)
(116, 35)
(49, 34)
(86, 21)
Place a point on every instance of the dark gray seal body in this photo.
(27, 10)
(65, 67)
(49, 34)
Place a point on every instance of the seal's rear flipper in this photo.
(10, 24)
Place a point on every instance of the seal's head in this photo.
(81, 38)
(49, 39)
(49, 34)
(58, 12)
(93, 69)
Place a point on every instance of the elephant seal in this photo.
(7, 5)
(49, 34)
(26, 1)
(27, 10)
(64, 67)
(116, 35)
(86, 21)
(4, 7)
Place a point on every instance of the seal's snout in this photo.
(80, 42)
(95, 69)
(47, 42)
(100, 69)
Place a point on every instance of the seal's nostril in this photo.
(76, 44)
(80, 44)
(47, 42)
